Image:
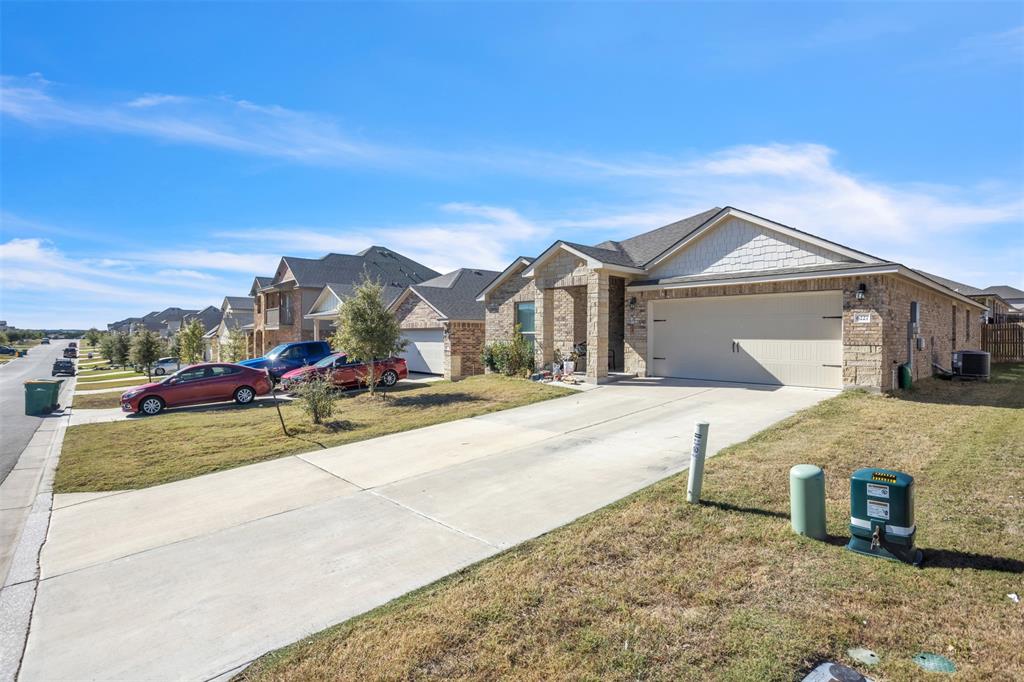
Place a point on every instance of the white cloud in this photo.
(187, 274)
(220, 122)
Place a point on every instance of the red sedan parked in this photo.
(346, 374)
(205, 383)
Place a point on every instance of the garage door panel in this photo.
(424, 350)
(792, 339)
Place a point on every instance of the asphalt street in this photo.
(16, 428)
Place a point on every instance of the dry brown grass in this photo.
(191, 441)
(653, 588)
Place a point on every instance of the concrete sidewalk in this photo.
(197, 578)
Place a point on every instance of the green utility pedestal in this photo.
(882, 515)
(807, 500)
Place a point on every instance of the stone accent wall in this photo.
(414, 313)
(570, 318)
(869, 348)
(737, 246)
(562, 270)
(597, 325)
(463, 345)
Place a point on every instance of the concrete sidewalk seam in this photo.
(428, 517)
(316, 466)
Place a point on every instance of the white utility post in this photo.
(700, 448)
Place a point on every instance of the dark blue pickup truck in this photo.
(289, 356)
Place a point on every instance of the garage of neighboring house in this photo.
(794, 339)
(424, 351)
(443, 324)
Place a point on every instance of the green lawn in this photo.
(89, 377)
(97, 401)
(653, 588)
(175, 445)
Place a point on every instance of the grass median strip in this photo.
(97, 401)
(176, 445)
(654, 588)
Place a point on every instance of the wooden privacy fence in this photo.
(1004, 341)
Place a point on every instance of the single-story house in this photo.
(443, 323)
(728, 295)
(1012, 295)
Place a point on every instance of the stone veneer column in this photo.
(597, 326)
(544, 326)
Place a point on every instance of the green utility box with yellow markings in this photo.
(882, 515)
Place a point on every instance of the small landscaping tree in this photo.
(190, 342)
(146, 348)
(316, 397)
(92, 337)
(120, 349)
(4, 339)
(367, 331)
(236, 347)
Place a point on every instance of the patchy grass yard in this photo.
(175, 445)
(97, 401)
(653, 588)
(87, 377)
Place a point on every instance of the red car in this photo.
(346, 374)
(205, 383)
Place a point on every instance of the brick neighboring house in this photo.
(728, 295)
(444, 323)
(1013, 296)
(997, 309)
(235, 314)
(280, 311)
(165, 323)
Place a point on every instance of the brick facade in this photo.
(463, 340)
(463, 346)
(870, 348)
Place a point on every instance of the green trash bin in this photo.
(41, 396)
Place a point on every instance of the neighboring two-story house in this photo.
(281, 305)
(235, 314)
(726, 295)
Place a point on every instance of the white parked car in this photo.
(166, 366)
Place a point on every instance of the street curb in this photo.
(18, 595)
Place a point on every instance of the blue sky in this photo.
(159, 154)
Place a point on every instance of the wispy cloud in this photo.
(220, 122)
(998, 48)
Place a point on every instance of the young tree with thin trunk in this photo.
(190, 342)
(120, 349)
(92, 337)
(146, 348)
(236, 348)
(367, 331)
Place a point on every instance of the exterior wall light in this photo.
(632, 302)
(862, 289)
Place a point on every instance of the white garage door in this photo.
(425, 351)
(790, 339)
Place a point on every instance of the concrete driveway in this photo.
(196, 578)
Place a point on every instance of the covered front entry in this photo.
(425, 350)
(791, 339)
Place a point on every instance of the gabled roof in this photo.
(173, 314)
(209, 317)
(343, 290)
(259, 283)
(237, 303)
(644, 247)
(959, 287)
(1004, 291)
(521, 261)
(453, 295)
(377, 262)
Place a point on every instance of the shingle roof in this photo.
(454, 294)
(238, 318)
(209, 317)
(173, 314)
(240, 302)
(259, 283)
(644, 247)
(378, 262)
(959, 287)
(809, 270)
(1005, 291)
(611, 256)
(345, 289)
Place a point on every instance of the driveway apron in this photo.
(192, 579)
